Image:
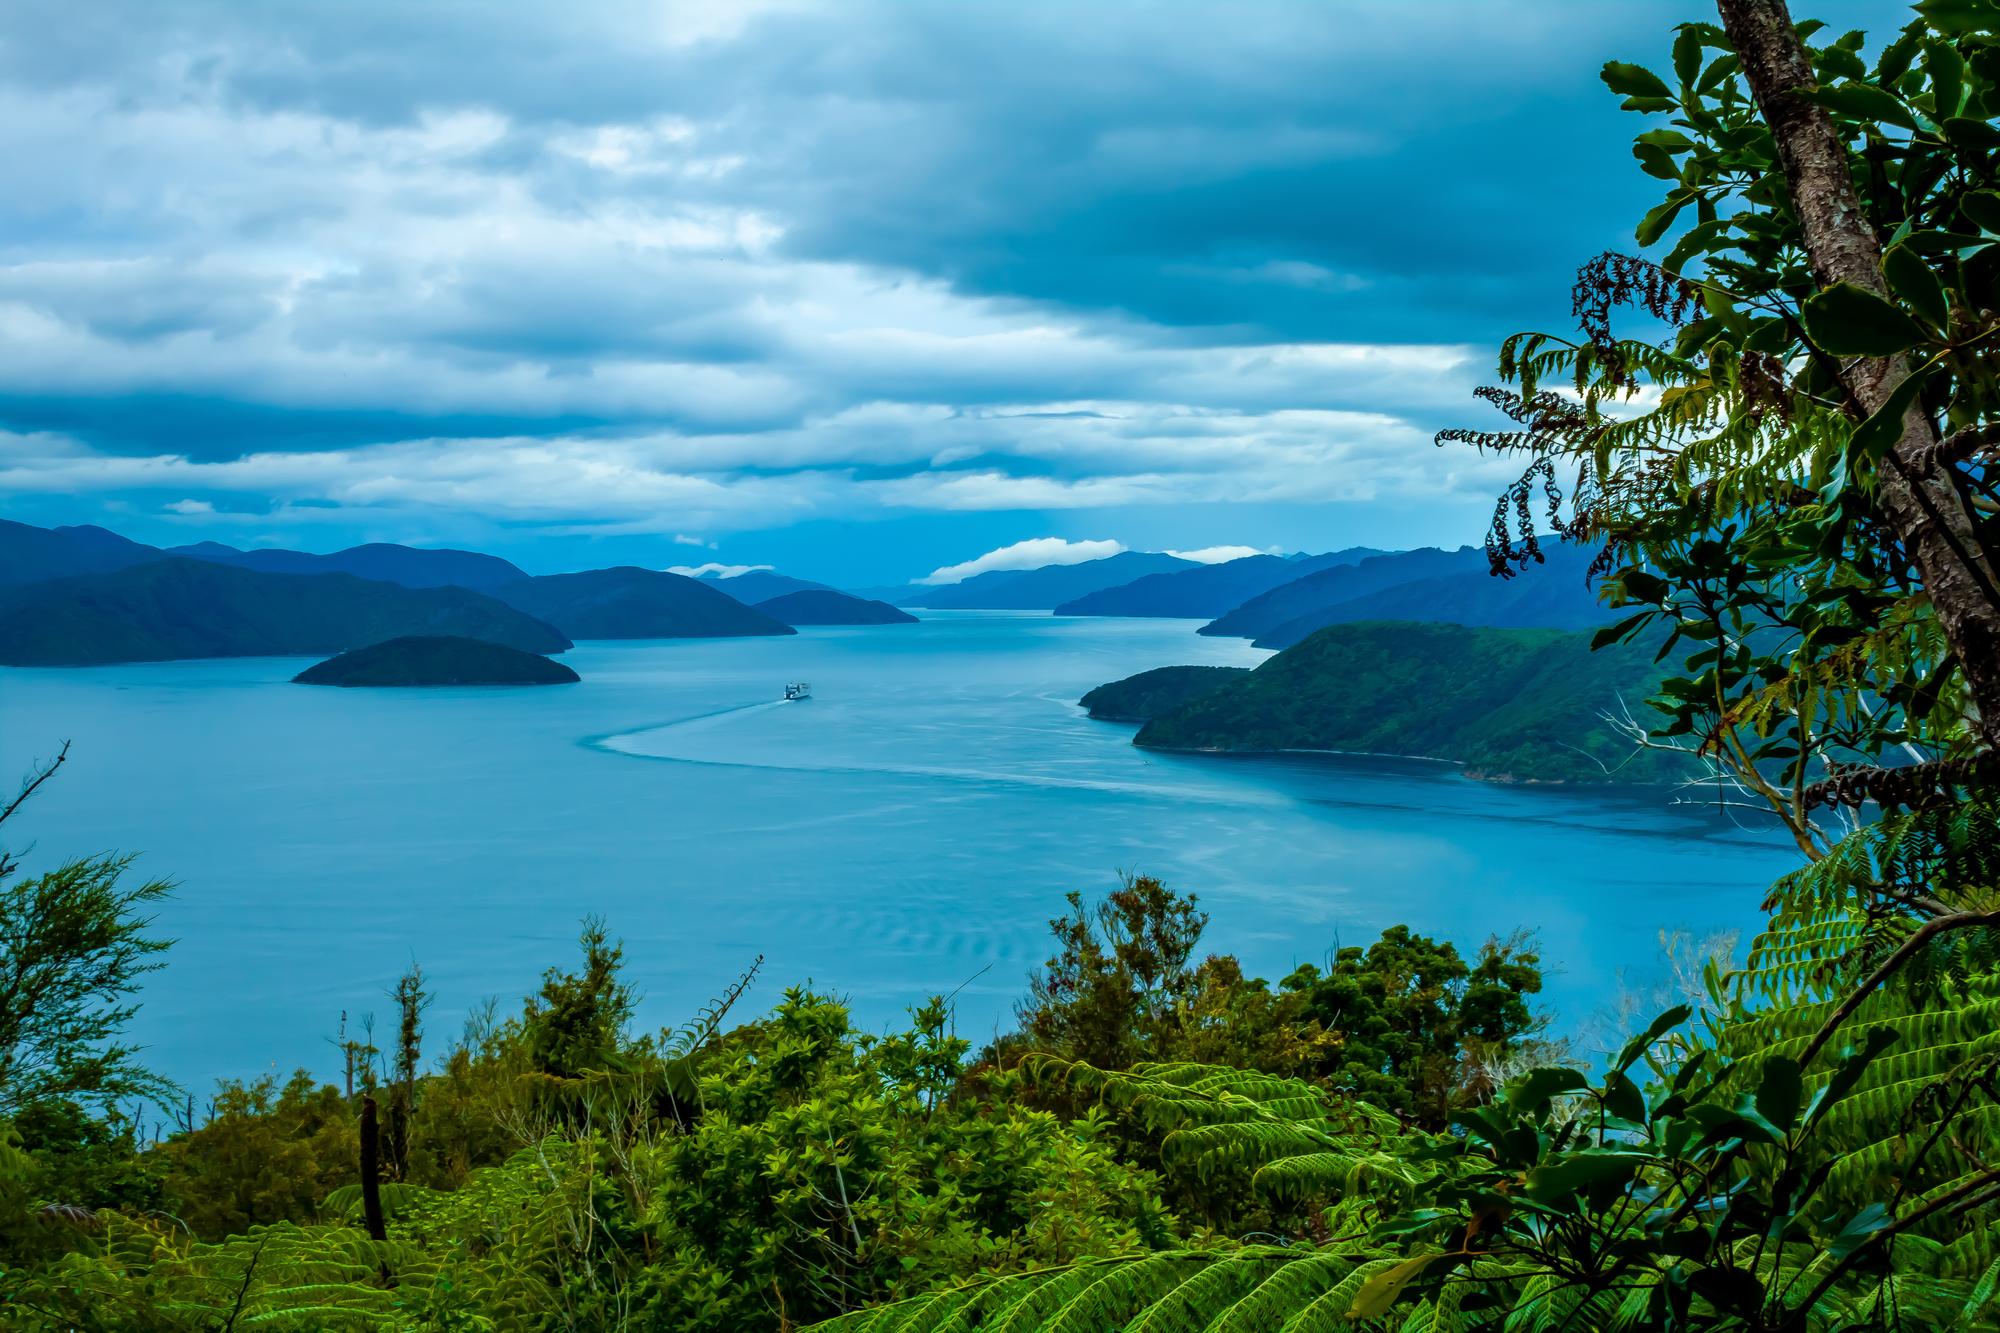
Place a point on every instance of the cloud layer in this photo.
(678, 269)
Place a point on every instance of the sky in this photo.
(863, 290)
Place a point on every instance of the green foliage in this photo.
(1767, 503)
(1524, 705)
(1143, 697)
(74, 944)
(1420, 1031)
(1407, 1024)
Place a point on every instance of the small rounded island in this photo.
(436, 659)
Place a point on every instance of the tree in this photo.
(74, 943)
(1414, 1027)
(1119, 977)
(1807, 496)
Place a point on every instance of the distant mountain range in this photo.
(29, 555)
(758, 585)
(1206, 591)
(824, 606)
(633, 603)
(1454, 587)
(1508, 704)
(170, 609)
(85, 595)
(1035, 589)
(410, 566)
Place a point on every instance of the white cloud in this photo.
(1216, 555)
(714, 569)
(1031, 554)
(683, 539)
(191, 507)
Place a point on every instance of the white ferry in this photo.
(798, 690)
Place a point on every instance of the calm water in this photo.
(907, 831)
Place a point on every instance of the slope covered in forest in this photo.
(436, 659)
(172, 609)
(1520, 705)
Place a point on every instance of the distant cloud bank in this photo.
(1034, 553)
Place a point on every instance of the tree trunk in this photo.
(371, 1171)
(1917, 496)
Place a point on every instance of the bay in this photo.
(907, 831)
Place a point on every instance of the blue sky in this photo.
(859, 289)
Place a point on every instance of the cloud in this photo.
(713, 569)
(679, 266)
(1216, 555)
(191, 508)
(1033, 553)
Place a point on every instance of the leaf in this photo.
(1960, 16)
(1982, 209)
(1865, 102)
(1629, 80)
(1858, 1229)
(1687, 53)
(1378, 1293)
(1623, 1099)
(1638, 1046)
(1853, 1064)
(1557, 1180)
(1845, 320)
(1877, 435)
(1781, 1091)
(1971, 136)
(1911, 279)
(1534, 1088)
(1614, 633)
(1654, 225)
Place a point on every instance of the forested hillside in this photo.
(1517, 705)
(172, 609)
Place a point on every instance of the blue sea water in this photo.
(907, 831)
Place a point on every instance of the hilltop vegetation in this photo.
(1147, 695)
(417, 660)
(1519, 705)
(173, 609)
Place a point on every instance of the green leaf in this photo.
(1658, 1028)
(1911, 279)
(1865, 102)
(1780, 1093)
(1656, 161)
(1853, 1064)
(1623, 1099)
(1633, 80)
(1613, 633)
(1971, 136)
(1378, 1293)
(1687, 53)
(1877, 435)
(1654, 225)
(1981, 209)
(1554, 1181)
(1845, 320)
(1533, 1089)
(1858, 1229)
(1960, 16)
(1947, 74)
